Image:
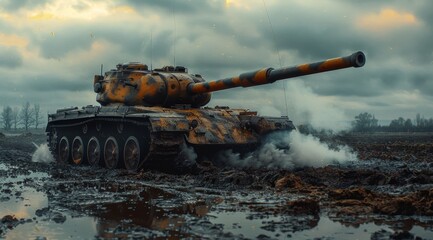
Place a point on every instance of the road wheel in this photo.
(93, 151)
(111, 153)
(63, 156)
(77, 150)
(131, 154)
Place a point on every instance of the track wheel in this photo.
(63, 156)
(111, 153)
(131, 154)
(93, 151)
(77, 150)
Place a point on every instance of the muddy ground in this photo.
(386, 194)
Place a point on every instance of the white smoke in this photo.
(305, 106)
(188, 153)
(287, 151)
(42, 154)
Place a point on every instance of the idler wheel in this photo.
(131, 154)
(63, 150)
(111, 153)
(93, 151)
(77, 150)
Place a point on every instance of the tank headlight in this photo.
(193, 124)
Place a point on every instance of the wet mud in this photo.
(386, 194)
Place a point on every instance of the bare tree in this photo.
(27, 116)
(15, 117)
(418, 120)
(6, 117)
(364, 122)
(37, 115)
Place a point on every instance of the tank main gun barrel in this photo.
(270, 75)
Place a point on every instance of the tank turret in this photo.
(133, 84)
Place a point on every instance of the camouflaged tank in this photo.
(147, 116)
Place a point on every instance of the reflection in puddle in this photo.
(302, 227)
(150, 209)
(327, 227)
(124, 208)
(23, 203)
(25, 206)
(251, 225)
(73, 228)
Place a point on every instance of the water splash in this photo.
(42, 154)
(287, 151)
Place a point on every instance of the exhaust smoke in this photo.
(289, 150)
(188, 154)
(307, 107)
(186, 160)
(42, 154)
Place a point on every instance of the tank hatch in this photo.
(171, 69)
(132, 66)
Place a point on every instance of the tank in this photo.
(150, 117)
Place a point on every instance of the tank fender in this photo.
(169, 124)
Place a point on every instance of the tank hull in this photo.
(134, 137)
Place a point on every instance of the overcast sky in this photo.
(50, 50)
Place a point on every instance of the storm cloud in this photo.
(13, 5)
(175, 6)
(10, 57)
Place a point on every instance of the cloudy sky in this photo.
(50, 50)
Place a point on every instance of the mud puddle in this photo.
(27, 223)
(303, 227)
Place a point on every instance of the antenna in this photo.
(151, 50)
(174, 37)
(278, 52)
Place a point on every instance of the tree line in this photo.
(26, 117)
(367, 122)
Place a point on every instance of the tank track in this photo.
(108, 141)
